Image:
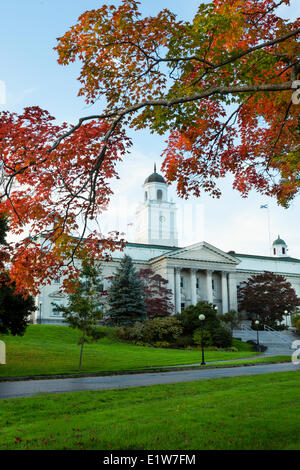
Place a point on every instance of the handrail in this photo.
(268, 329)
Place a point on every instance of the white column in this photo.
(193, 286)
(171, 284)
(232, 291)
(209, 291)
(224, 293)
(177, 291)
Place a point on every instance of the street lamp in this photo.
(286, 316)
(40, 312)
(257, 323)
(202, 318)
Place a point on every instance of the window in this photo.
(146, 195)
(182, 306)
(159, 194)
(54, 313)
(181, 282)
(274, 251)
(197, 283)
(213, 284)
(283, 251)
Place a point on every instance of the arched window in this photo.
(159, 194)
(146, 195)
(283, 250)
(274, 250)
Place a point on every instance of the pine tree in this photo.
(126, 295)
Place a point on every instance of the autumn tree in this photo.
(157, 295)
(224, 87)
(267, 296)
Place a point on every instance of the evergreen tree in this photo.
(83, 310)
(15, 309)
(126, 295)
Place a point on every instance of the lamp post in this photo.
(202, 318)
(286, 316)
(40, 312)
(257, 339)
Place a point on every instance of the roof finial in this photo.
(154, 167)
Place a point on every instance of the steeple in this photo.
(156, 217)
(279, 248)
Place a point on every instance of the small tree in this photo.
(83, 310)
(126, 295)
(267, 296)
(15, 309)
(157, 295)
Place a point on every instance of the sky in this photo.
(31, 76)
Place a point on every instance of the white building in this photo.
(197, 272)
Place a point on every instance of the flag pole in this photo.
(266, 206)
(270, 248)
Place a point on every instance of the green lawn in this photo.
(255, 412)
(49, 349)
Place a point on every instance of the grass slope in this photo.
(51, 349)
(255, 412)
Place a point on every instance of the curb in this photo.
(132, 372)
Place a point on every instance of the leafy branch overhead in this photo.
(220, 85)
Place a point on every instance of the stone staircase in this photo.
(277, 342)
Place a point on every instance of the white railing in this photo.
(275, 334)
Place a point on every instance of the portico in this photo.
(199, 272)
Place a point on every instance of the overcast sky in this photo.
(32, 77)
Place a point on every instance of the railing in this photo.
(246, 328)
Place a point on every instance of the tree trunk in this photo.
(81, 350)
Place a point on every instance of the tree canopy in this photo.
(267, 296)
(225, 86)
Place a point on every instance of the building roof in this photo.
(271, 258)
(155, 177)
(279, 241)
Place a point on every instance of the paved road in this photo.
(31, 387)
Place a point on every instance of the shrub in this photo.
(183, 341)
(190, 317)
(222, 337)
(295, 318)
(162, 344)
(207, 337)
(162, 329)
(298, 325)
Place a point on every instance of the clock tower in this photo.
(156, 216)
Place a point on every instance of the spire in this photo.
(154, 167)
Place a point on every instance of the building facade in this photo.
(197, 272)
